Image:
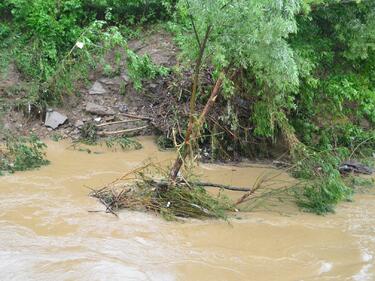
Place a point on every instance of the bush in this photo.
(22, 154)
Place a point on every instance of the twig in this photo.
(136, 117)
(118, 122)
(193, 25)
(136, 50)
(228, 187)
(281, 163)
(355, 149)
(123, 131)
(108, 207)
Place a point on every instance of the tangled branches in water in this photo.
(140, 190)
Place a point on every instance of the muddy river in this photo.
(48, 233)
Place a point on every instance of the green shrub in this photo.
(22, 154)
(124, 143)
(142, 67)
(321, 185)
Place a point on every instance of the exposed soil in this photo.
(118, 98)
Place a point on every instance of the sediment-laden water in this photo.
(48, 233)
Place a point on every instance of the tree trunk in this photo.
(190, 133)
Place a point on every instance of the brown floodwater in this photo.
(48, 233)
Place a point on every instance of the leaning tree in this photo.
(231, 36)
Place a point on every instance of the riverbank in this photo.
(102, 97)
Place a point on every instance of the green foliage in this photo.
(164, 143)
(56, 137)
(245, 34)
(56, 43)
(321, 196)
(142, 67)
(334, 49)
(43, 30)
(171, 202)
(322, 186)
(192, 203)
(124, 143)
(22, 154)
(89, 133)
(304, 68)
(361, 183)
(129, 11)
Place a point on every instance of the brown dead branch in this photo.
(119, 122)
(136, 116)
(223, 186)
(122, 131)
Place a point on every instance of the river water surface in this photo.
(47, 232)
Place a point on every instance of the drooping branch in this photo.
(194, 26)
(197, 69)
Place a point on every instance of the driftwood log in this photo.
(223, 186)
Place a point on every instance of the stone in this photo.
(153, 86)
(78, 124)
(54, 119)
(125, 77)
(354, 166)
(123, 108)
(110, 81)
(109, 118)
(365, 124)
(97, 89)
(99, 109)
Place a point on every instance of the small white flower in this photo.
(168, 204)
(80, 44)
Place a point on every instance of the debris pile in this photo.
(141, 190)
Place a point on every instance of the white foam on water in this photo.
(363, 274)
(325, 267)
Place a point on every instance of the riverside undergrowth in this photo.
(22, 153)
(321, 185)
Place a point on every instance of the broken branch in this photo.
(136, 116)
(118, 122)
(223, 186)
(123, 131)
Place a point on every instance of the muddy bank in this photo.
(48, 233)
(103, 98)
(110, 100)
